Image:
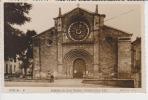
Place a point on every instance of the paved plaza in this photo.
(56, 83)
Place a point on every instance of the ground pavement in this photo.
(56, 83)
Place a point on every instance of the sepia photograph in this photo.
(73, 45)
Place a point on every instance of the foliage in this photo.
(14, 13)
(27, 52)
(15, 41)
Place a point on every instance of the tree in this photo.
(27, 53)
(14, 13)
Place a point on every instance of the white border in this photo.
(43, 90)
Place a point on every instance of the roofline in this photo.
(130, 34)
(138, 39)
(90, 12)
(43, 32)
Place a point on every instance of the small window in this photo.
(49, 42)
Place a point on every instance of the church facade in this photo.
(80, 45)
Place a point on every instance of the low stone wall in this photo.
(121, 83)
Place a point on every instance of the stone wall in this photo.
(124, 59)
(136, 62)
(115, 55)
(45, 55)
(107, 55)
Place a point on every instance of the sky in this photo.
(125, 17)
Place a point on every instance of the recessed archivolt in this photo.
(77, 53)
(72, 55)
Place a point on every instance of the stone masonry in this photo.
(104, 54)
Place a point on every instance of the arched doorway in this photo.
(79, 68)
(77, 58)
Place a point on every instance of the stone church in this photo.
(80, 45)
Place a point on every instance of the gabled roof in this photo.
(78, 8)
(123, 32)
(92, 13)
(52, 28)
